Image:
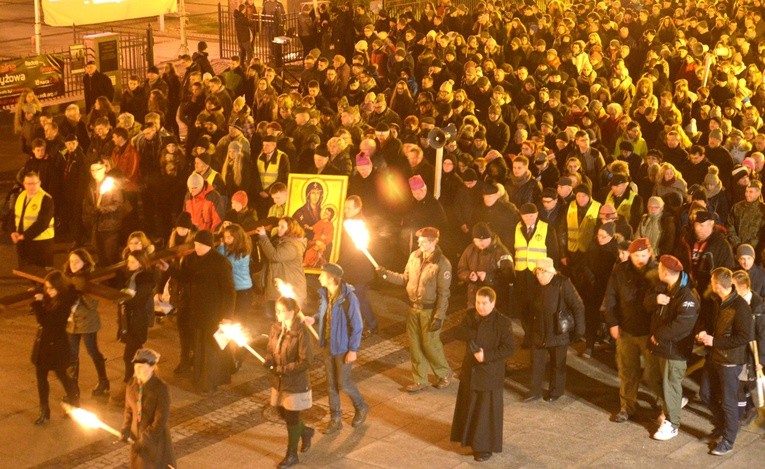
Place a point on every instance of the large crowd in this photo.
(603, 160)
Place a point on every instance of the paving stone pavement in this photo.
(234, 427)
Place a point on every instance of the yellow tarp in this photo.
(78, 12)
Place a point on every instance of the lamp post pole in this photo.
(38, 27)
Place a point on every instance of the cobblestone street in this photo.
(235, 427)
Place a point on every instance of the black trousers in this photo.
(38, 253)
(131, 347)
(185, 336)
(43, 388)
(557, 369)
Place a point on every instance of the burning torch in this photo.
(106, 186)
(288, 291)
(233, 332)
(358, 232)
(90, 420)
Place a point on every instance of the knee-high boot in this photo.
(291, 458)
(103, 381)
(74, 374)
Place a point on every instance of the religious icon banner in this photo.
(316, 202)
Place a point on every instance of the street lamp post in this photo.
(38, 27)
(184, 48)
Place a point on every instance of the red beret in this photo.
(640, 244)
(671, 262)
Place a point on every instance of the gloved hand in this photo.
(436, 324)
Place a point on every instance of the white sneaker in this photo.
(665, 431)
(683, 402)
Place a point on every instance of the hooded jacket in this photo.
(672, 325)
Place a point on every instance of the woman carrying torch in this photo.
(289, 359)
(51, 350)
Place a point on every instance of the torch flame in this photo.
(88, 419)
(286, 290)
(358, 233)
(234, 331)
(106, 186)
(85, 418)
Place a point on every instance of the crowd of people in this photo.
(601, 180)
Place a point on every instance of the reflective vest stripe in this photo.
(579, 237)
(269, 174)
(528, 253)
(625, 208)
(31, 213)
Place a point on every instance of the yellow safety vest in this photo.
(31, 213)
(625, 208)
(579, 237)
(211, 177)
(528, 253)
(269, 174)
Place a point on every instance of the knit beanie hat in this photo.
(205, 237)
(712, 177)
(241, 197)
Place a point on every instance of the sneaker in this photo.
(683, 402)
(722, 448)
(665, 432)
(415, 387)
(621, 417)
(445, 381)
(367, 333)
(587, 353)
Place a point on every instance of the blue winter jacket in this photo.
(241, 269)
(345, 330)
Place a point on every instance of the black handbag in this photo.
(564, 320)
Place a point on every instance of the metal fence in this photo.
(135, 56)
(264, 29)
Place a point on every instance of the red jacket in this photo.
(202, 207)
(126, 160)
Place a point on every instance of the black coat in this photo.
(477, 420)
(732, 327)
(502, 217)
(545, 306)
(96, 85)
(672, 325)
(624, 300)
(717, 253)
(53, 350)
(211, 283)
(135, 312)
(493, 334)
(292, 360)
(153, 446)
